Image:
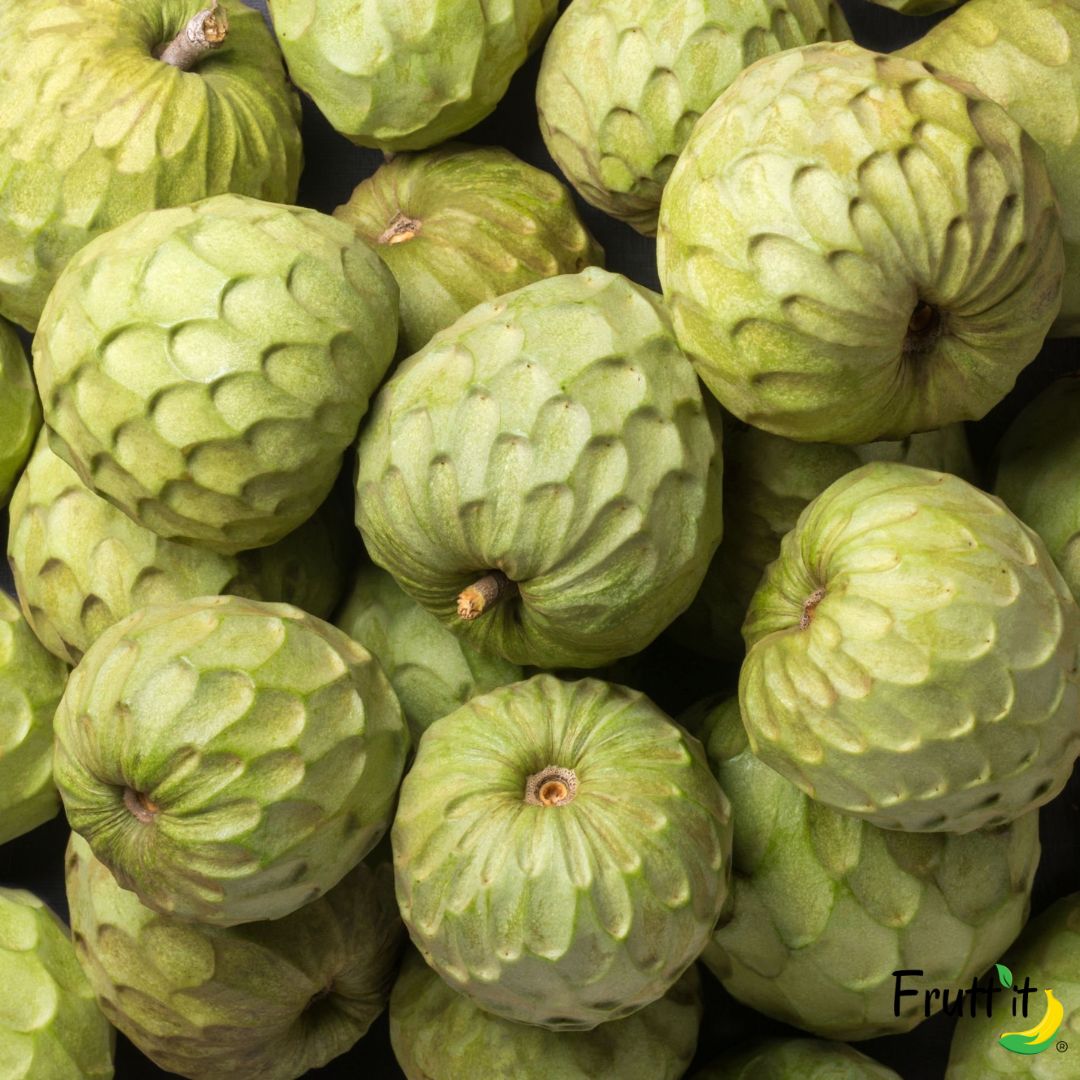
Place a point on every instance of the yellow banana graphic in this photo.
(1037, 1038)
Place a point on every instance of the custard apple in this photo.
(796, 1059)
(20, 410)
(918, 7)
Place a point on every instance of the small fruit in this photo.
(796, 1059)
(20, 410)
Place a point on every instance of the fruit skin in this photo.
(205, 368)
(624, 81)
(264, 746)
(564, 916)
(459, 225)
(20, 410)
(826, 907)
(215, 1004)
(560, 436)
(407, 76)
(438, 1034)
(50, 1025)
(841, 273)
(913, 655)
(797, 1059)
(94, 130)
(918, 7)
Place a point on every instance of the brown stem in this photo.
(204, 32)
(399, 230)
(553, 786)
(140, 806)
(484, 595)
(808, 607)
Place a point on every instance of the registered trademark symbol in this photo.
(1062, 1046)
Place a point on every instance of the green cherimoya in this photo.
(20, 410)
(97, 124)
(856, 249)
(918, 7)
(561, 851)
(460, 225)
(543, 476)
(624, 81)
(826, 907)
(407, 76)
(796, 1059)
(205, 368)
(267, 999)
(228, 760)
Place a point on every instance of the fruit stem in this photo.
(399, 230)
(553, 786)
(204, 32)
(140, 806)
(484, 595)
(808, 607)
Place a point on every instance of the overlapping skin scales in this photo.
(204, 368)
(624, 81)
(825, 198)
(562, 916)
(439, 1034)
(913, 655)
(796, 1059)
(94, 130)
(810, 883)
(268, 999)
(407, 75)
(558, 435)
(50, 1025)
(264, 746)
(20, 410)
(460, 225)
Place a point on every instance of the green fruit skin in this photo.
(20, 410)
(400, 76)
(558, 435)
(624, 81)
(826, 907)
(268, 999)
(438, 1034)
(205, 368)
(31, 684)
(918, 7)
(912, 655)
(94, 130)
(802, 229)
(270, 745)
(50, 1025)
(797, 1059)
(562, 916)
(460, 225)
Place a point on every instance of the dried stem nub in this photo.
(552, 786)
(400, 229)
(483, 595)
(140, 806)
(808, 607)
(204, 32)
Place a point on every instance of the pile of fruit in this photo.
(363, 562)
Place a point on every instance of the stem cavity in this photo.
(140, 806)
(924, 328)
(553, 786)
(401, 229)
(809, 604)
(484, 595)
(204, 32)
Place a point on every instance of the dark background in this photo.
(334, 167)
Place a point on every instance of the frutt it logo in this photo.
(1035, 1040)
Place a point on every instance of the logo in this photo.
(1035, 1040)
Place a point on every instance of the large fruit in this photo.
(913, 655)
(267, 999)
(20, 410)
(228, 760)
(624, 81)
(95, 129)
(543, 476)
(827, 907)
(796, 1059)
(205, 368)
(855, 249)
(460, 225)
(405, 76)
(561, 851)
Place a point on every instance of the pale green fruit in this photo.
(228, 760)
(205, 368)
(561, 851)
(556, 438)
(50, 1025)
(20, 410)
(913, 655)
(796, 1059)
(439, 1034)
(268, 999)
(94, 130)
(405, 76)
(624, 81)
(826, 906)
(918, 7)
(855, 249)
(460, 225)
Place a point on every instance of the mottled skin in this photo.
(20, 410)
(796, 1059)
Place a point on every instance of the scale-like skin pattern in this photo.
(94, 130)
(826, 907)
(204, 368)
(20, 410)
(624, 81)
(558, 435)
(571, 915)
(855, 249)
(407, 74)
(460, 225)
(264, 746)
(50, 1025)
(913, 655)
(268, 999)
(439, 1034)
(797, 1059)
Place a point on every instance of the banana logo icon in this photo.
(1038, 1038)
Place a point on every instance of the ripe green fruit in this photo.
(20, 410)
(205, 368)
(796, 1059)
(228, 760)
(460, 225)
(855, 249)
